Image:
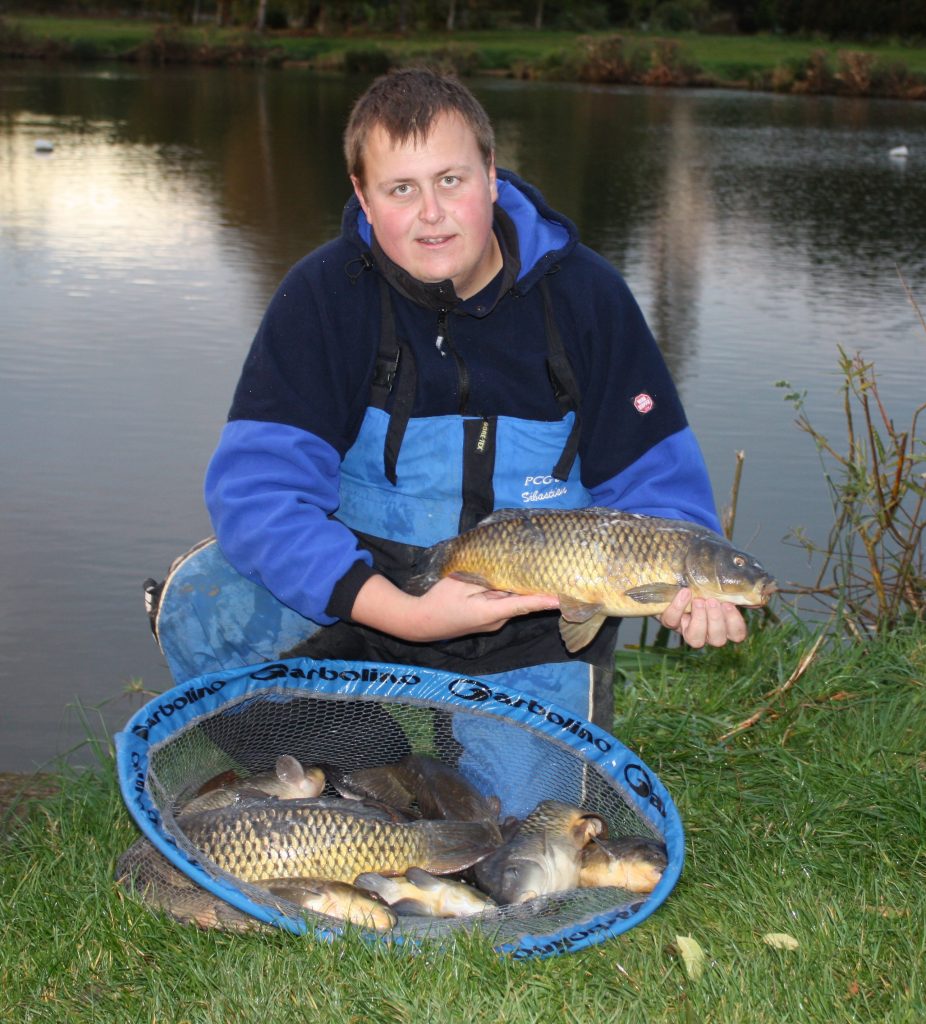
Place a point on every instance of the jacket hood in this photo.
(544, 235)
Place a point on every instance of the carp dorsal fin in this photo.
(504, 515)
(577, 635)
(384, 785)
(472, 577)
(293, 889)
(587, 829)
(289, 770)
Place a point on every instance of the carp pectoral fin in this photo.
(654, 593)
(422, 879)
(577, 635)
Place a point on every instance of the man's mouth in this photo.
(435, 240)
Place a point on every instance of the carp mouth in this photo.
(759, 595)
(754, 597)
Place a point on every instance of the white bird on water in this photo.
(900, 152)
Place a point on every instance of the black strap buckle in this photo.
(386, 370)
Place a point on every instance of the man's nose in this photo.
(430, 210)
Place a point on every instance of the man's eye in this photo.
(401, 190)
(449, 179)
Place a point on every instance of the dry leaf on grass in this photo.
(692, 955)
(780, 940)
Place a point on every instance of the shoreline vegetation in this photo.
(763, 62)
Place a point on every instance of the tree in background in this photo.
(847, 19)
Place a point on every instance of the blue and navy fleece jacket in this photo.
(297, 483)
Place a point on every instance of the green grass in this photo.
(734, 56)
(107, 32)
(811, 822)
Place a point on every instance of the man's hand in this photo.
(451, 608)
(708, 621)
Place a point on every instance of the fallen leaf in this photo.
(692, 955)
(781, 940)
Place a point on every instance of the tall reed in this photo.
(872, 568)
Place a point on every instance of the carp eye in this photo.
(739, 561)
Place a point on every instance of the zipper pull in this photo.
(441, 332)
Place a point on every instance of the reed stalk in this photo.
(872, 566)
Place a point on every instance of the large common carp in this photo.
(331, 840)
(599, 562)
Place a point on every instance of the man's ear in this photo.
(493, 179)
(358, 192)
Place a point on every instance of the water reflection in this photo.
(758, 233)
(674, 253)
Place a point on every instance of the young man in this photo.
(456, 350)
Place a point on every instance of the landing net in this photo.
(353, 715)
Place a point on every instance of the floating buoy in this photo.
(900, 152)
(43, 146)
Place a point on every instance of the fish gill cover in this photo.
(224, 735)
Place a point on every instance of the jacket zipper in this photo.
(444, 346)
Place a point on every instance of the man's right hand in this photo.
(451, 608)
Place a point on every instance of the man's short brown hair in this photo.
(406, 103)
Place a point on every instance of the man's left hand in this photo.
(707, 621)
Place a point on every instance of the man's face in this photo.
(430, 205)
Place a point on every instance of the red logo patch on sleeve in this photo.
(643, 402)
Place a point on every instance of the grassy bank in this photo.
(766, 62)
(806, 820)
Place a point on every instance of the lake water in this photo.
(758, 232)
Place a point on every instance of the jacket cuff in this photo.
(345, 590)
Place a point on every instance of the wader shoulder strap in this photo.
(395, 371)
(387, 355)
(564, 384)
